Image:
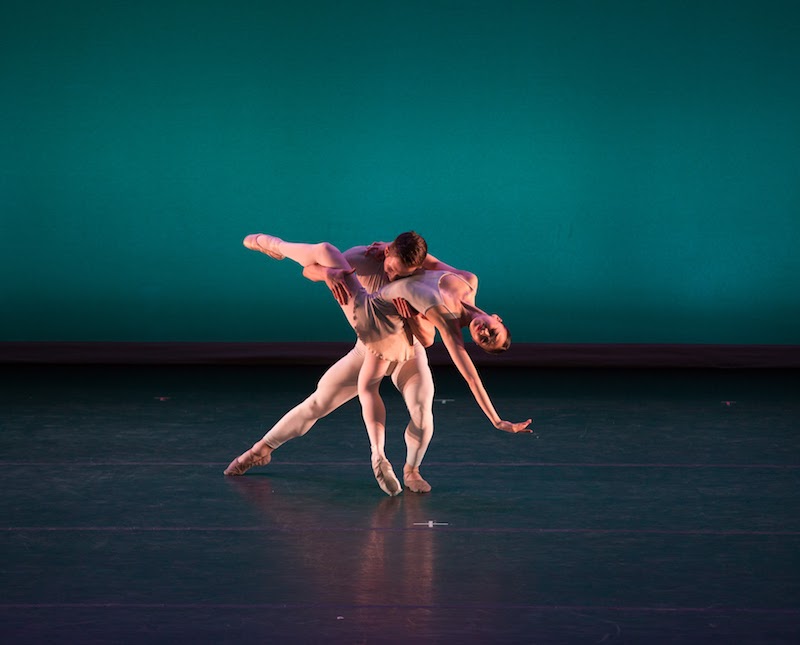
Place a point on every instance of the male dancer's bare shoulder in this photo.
(368, 267)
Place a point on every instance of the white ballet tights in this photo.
(343, 381)
(340, 384)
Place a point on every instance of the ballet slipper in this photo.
(246, 461)
(264, 243)
(385, 477)
(414, 481)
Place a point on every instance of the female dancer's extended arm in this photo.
(453, 341)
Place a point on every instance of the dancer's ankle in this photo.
(262, 449)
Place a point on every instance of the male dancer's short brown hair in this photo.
(410, 247)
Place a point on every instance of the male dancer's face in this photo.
(395, 268)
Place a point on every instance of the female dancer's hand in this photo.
(336, 281)
(376, 250)
(507, 426)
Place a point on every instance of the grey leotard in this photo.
(422, 290)
(375, 319)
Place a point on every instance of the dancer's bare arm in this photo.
(431, 263)
(450, 332)
(434, 264)
(420, 326)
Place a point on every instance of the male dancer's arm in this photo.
(434, 264)
(431, 263)
(417, 323)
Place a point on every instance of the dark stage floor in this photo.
(648, 507)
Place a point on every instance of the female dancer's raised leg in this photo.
(322, 253)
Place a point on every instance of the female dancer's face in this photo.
(488, 331)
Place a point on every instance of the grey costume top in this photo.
(378, 325)
(376, 321)
(422, 290)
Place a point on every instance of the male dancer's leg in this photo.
(374, 413)
(413, 379)
(337, 386)
(372, 371)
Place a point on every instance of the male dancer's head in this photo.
(405, 255)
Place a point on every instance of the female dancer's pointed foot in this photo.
(267, 244)
(246, 461)
(414, 482)
(385, 476)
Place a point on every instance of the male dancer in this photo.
(375, 266)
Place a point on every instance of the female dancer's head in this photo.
(489, 333)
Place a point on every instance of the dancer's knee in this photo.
(369, 388)
(370, 377)
(316, 406)
(330, 256)
(421, 417)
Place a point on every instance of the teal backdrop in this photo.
(614, 171)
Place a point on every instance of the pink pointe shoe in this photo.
(246, 461)
(385, 477)
(267, 244)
